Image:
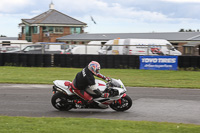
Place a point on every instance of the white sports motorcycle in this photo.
(64, 99)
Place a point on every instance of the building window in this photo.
(188, 50)
(23, 29)
(28, 30)
(58, 29)
(75, 30)
(35, 29)
(28, 33)
(50, 29)
(45, 29)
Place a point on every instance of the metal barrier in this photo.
(149, 49)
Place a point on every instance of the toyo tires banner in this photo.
(159, 62)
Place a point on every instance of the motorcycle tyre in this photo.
(127, 98)
(60, 96)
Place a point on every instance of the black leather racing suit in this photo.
(82, 80)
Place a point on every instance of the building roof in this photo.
(53, 16)
(170, 36)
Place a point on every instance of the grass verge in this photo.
(83, 125)
(130, 77)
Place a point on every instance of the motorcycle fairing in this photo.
(100, 84)
(61, 85)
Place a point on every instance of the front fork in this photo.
(119, 101)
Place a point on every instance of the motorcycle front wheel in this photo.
(124, 104)
(61, 102)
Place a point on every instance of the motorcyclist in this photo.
(85, 79)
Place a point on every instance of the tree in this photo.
(189, 30)
(181, 30)
(2, 36)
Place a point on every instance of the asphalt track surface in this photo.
(149, 104)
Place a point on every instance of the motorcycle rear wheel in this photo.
(125, 104)
(60, 102)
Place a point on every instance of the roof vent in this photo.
(51, 6)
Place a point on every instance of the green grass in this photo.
(130, 77)
(83, 125)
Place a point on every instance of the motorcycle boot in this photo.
(78, 104)
(82, 94)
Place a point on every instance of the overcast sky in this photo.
(111, 16)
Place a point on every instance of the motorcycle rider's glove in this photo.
(105, 95)
(108, 79)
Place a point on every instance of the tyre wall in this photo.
(106, 61)
(25, 60)
(80, 61)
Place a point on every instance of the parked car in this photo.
(69, 49)
(46, 49)
(9, 49)
(39, 49)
